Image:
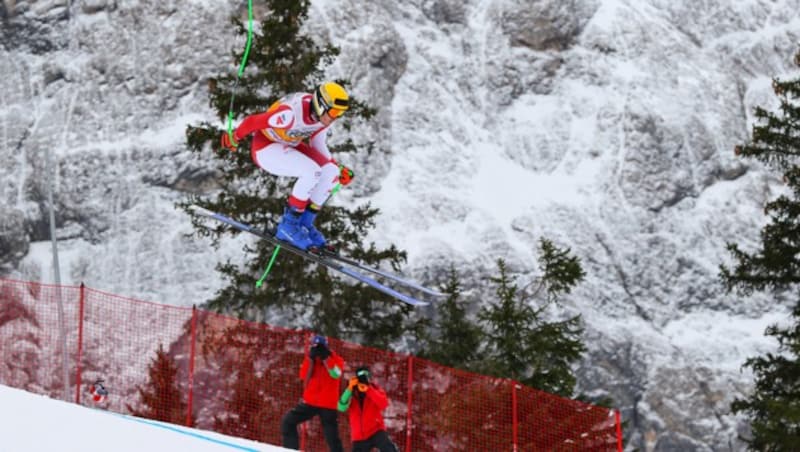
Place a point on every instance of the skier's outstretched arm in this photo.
(280, 118)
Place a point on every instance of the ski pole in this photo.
(241, 66)
(269, 266)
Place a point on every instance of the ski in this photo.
(329, 262)
(396, 278)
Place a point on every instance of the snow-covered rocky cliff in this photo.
(605, 125)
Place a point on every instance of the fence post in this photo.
(190, 397)
(515, 418)
(303, 429)
(409, 401)
(618, 417)
(78, 370)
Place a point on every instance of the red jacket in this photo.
(366, 416)
(322, 389)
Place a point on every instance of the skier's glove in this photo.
(353, 383)
(345, 175)
(362, 387)
(229, 142)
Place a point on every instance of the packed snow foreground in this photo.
(32, 423)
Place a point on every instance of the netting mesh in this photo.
(215, 372)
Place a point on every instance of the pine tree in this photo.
(521, 343)
(282, 60)
(773, 408)
(161, 399)
(456, 339)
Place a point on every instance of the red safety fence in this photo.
(192, 367)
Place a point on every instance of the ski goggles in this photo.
(335, 112)
(363, 375)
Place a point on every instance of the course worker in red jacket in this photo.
(321, 372)
(366, 401)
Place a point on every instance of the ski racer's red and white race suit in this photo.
(279, 147)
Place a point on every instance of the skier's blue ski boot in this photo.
(318, 241)
(290, 230)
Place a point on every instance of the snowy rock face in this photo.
(606, 126)
(14, 241)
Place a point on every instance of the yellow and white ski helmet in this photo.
(331, 98)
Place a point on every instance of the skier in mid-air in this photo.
(279, 147)
(289, 139)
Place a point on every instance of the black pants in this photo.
(380, 440)
(302, 413)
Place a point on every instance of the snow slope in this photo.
(34, 423)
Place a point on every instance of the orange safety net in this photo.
(214, 372)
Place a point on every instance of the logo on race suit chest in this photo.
(282, 120)
(290, 136)
(299, 132)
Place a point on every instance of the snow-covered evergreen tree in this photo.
(773, 408)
